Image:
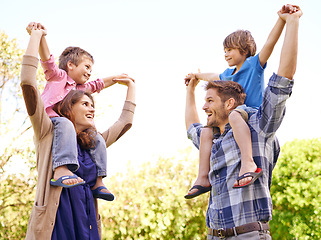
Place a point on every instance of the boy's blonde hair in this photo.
(73, 54)
(242, 40)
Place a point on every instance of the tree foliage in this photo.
(16, 189)
(296, 191)
(150, 203)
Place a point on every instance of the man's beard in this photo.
(220, 117)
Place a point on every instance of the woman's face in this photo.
(84, 112)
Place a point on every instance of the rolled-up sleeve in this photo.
(194, 133)
(272, 110)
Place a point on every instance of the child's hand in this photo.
(189, 77)
(123, 76)
(124, 81)
(36, 26)
(192, 83)
(288, 10)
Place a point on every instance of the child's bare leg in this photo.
(242, 136)
(100, 183)
(64, 171)
(206, 142)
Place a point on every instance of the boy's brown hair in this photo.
(73, 54)
(242, 40)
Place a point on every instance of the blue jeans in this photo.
(64, 147)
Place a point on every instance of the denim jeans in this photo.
(64, 147)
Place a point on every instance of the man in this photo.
(244, 213)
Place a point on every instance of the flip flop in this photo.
(59, 183)
(255, 175)
(200, 191)
(103, 195)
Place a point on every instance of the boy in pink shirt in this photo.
(75, 66)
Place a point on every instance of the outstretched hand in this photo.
(124, 81)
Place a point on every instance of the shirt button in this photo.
(217, 175)
(50, 102)
(90, 227)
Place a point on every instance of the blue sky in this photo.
(158, 43)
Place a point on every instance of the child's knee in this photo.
(237, 115)
(207, 133)
(65, 123)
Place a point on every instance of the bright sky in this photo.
(158, 43)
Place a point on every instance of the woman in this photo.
(52, 214)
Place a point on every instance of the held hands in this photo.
(191, 76)
(191, 81)
(38, 27)
(289, 10)
(123, 79)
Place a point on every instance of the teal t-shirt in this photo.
(251, 78)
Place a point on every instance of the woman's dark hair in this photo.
(86, 138)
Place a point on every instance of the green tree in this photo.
(150, 202)
(16, 148)
(296, 191)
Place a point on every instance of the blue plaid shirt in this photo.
(230, 207)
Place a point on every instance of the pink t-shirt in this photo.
(59, 84)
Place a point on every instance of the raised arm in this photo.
(109, 81)
(34, 104)
(124, 123)
(44, 52)
(279, 88)
(191, 115)
(273, 37)
(289, 52)
(202, 76)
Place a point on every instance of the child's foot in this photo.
(100, 190)
(63, 171)
(201, 185)
(248, 167)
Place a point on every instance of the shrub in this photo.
(296, 191)
(150, 203)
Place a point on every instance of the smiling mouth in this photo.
(90, 116)
(209, 114)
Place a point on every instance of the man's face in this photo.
(217, 112)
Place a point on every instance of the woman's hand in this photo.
(36, 26)
(124, 81)
(130, 83)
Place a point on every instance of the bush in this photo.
(296, 191)
(150, 203)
